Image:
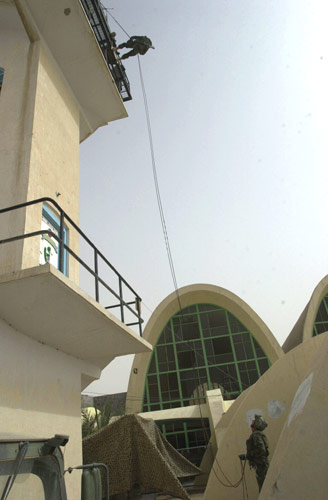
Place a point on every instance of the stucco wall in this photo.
(19, 60)
(39, 146)
(271, 396)
(54, 159)
(40, 395)
(298, 467)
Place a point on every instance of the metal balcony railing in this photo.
(121, 285)
(96, 14)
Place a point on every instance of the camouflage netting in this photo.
(137, 453)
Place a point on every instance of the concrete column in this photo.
(214, 401)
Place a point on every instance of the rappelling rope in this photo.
(230, 484)
(171, 264)
(245, 492)
(161, 211)
(111, 15)
(158, 194)
(167, 243)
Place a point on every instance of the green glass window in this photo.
(321, 320)
(189, 437)
(203, 347)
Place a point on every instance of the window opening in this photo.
(2, 72)
(321, 320)
(216, 350)
(205, 348)
(38, 477)
(49, 248)
(187, 436)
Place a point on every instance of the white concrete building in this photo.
(56, 88)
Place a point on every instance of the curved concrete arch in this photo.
(303, 328)
(274, 396)
(319, 292)
(190, 295)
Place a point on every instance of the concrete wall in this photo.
(216, 407)
(272, 396)
(54, 166)
(19, 60)
(39, 153)
(40, 395)
(296, 335)
(193, 411)
(39, 146)
(298, 467)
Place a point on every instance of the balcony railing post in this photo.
(138, 302)
(61, 243)
(96, 277)
(121, 298)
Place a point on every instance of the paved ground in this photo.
(195, 494)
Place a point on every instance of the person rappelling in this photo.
(138, 44)
(258, 450)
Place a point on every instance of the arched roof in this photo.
(190, 295)
(303, 328)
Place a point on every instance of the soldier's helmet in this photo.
(260, 424)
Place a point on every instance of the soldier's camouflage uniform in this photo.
(138, 44)
(258, 451)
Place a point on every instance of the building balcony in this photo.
(41, 295)
(58, 246)
(96, 14)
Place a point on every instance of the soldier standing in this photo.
(258, 450)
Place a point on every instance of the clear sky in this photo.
(238, 100)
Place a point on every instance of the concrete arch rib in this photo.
(303, 328)
(276, 389)
(190, 295)
(319, 292)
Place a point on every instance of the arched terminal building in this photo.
(292, 396)
(210, 340)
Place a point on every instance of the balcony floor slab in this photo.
(46, 306)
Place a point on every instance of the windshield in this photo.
(27, 486)
(38, 478)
